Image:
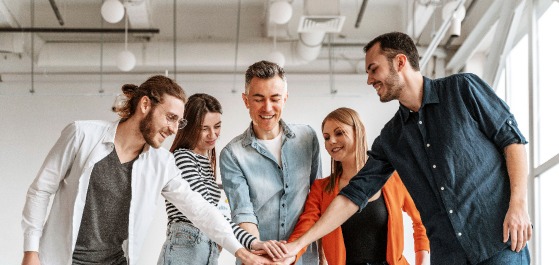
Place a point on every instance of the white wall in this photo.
(30, 124)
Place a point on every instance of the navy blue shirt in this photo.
(450, 156)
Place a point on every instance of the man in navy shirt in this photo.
(459, 152)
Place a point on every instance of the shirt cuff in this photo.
(31, 243)
(360, 199)
(245, 218)
(232, 245)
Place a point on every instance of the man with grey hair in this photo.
(267, 171)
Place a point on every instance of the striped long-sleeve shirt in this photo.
(197, 170)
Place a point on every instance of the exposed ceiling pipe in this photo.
(308, 46)
(79, 30)
(437, 39)
(360, 15)
(56, 12)
(159, 54)
(421, 14)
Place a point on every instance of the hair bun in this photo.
(129, 88)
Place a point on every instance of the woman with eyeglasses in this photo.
(194, 151)
(375, 236)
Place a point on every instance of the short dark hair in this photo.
(263, 70)
(395, 43)
(155, 88)
(195, 110)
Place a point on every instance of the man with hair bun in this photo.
(106, 178)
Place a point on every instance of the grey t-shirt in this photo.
(104, 224)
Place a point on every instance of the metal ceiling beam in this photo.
(78, 30)
(470, 44)
(503, 40)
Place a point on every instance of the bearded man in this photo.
(106, 177)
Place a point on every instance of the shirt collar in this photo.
(430, 96)
(249, 137)
(110, 135)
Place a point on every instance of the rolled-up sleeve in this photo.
(491, 113)
(236, 188)
(369, 180)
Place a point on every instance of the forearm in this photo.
(251, 228)
(517, 167)
(422, 257)
(201, 213)
(335, 215)
(30, 258)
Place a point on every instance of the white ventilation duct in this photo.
(311, 32)
(160, 54)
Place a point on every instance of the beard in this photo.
(147, 130)
(393, 86)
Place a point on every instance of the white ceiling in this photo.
(206, 34)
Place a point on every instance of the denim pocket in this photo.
(184, 239)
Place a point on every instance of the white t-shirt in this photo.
(274, 146)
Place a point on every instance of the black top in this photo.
(104, 224)
(365, 234)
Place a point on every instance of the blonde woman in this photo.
(375, 236)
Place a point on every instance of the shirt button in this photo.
(283, 205)
(510, 122)
(420, 122)
(434, 166)
(451, 211)
(282, 225)
(459, 234)
(442, 188)
(286, 186)
(428, 145)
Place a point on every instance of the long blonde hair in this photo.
(349, 117)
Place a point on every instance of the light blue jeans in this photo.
(186, 244)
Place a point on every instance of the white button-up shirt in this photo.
(66, 172)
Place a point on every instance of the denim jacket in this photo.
(261, 191)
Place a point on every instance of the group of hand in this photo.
(270, 252)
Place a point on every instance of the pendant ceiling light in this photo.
(125, 60)
(112, 11)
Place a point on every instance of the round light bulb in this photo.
(280, 12)
(125, 60)
(112, 11)
(277, 57)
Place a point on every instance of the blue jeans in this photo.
(509, 257)
(186, 244)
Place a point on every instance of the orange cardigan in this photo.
(396, 197)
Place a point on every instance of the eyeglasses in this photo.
(172, 119)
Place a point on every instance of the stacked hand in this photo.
(281, 252)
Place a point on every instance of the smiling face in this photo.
(211, 128)
(382, 74)
(160, 121)
(339, 141)
(265, 100)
